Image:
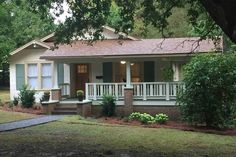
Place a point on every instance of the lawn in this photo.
(6, 116)
(4, 95)
(74, 137)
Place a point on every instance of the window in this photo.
(46, 75)
(82, 68)
(32, 75)
(39, 77)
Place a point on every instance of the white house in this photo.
(107, 67)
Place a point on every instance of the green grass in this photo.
(6, 116)
(4, 95)
(71, 132)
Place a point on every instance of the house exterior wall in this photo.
(24, 57)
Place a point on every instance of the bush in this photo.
(142, 117)
(146, 118)
(108, 105)
(161, 118)
(210, 90)
(135, 116)
(27, 97)
(15, 101)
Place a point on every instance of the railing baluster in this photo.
(86, 91)
(167, 91)
(94, 91)
(144, 91)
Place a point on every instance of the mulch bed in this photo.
(35, 110)
(171, 125)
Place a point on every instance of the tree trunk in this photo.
(223, 13)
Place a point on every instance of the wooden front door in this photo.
(82, 76)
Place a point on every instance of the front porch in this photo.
(141, 90)
(105, 76)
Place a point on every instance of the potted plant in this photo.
(46, 95)
(80, 95)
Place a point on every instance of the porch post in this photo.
(56, 91)
(128, 91)
(55, 75)
(128, 74)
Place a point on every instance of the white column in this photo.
(128, 74)
(55, 75)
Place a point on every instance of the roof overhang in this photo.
(33, 42)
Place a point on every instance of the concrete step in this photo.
(64, 112)
(66, 105)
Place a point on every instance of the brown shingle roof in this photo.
(167, 46)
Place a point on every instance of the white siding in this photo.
(24, 57)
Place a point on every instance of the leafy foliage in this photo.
(45, 97)
(210, 90)
(19, 25)
(144, 118)
(108, 105)
(126, 16)
(161, 118)
(26, 97)
(167, 74)
(135, 116)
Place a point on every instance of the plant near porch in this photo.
(27, 96)
(210, 91)
(108, 105)
(80, 95)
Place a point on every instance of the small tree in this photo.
(210, 90)
(27, 96)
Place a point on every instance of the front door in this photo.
(82, 76)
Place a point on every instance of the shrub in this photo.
(135, 116)
(210, 90)
(108, 105)
(161, 118)
(142, 117)
(15, 101)
(27, 97)
(146, 118)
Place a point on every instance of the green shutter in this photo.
(149, 75)
(107, 72)
(20, 76)
(60, 71)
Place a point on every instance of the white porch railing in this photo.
(65, 89)
(142, 90)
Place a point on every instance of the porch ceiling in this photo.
(129, 48)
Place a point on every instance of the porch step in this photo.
(65, 109)
(64, 112)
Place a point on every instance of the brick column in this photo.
(55, 94)
(128, 100)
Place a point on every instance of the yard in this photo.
(4, 95)
(6, 116)
(73, 137)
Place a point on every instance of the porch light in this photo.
(34, 45)
(122, 62)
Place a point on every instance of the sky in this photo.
(63, 16)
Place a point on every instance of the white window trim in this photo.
(39, 76)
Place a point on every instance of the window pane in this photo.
(33, 82)
(46, 82)
(46, 75)
(32, 70)
(46, 69)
